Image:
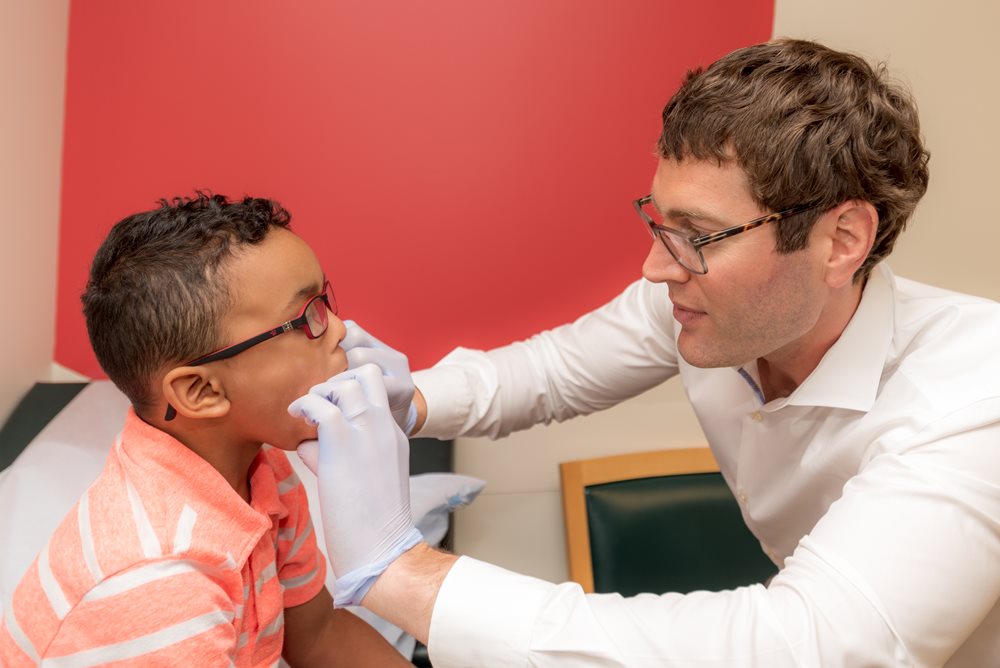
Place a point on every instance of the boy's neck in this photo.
(232, 462)
(230, 456)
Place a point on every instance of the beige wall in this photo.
(947, 53)
(33, 79)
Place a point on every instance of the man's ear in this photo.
(195, 392)
(849, 230)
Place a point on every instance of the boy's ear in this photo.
(195, 392)
(850, 231)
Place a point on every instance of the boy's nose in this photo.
(336, 331)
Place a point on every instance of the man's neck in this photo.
(782, 371)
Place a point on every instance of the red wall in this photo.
(463, 168)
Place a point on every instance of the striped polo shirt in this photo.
(162, 563)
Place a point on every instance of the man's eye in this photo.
(685, 226)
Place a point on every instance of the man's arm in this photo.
(900, 571)
(603, 358)
(405, 593)
(318, 635)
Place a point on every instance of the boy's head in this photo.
(169, 286)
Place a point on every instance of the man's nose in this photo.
(661, 267)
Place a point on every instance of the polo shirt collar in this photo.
(162, 468)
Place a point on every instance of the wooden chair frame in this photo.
(578, 475)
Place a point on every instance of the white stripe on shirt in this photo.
(147, 537)
(288, 484)
(185, 527)
(87, 537)
(51, 587)
(18, 636)
(132, 579)
(147, 644)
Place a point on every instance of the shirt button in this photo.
(743, 497)
(756, 416)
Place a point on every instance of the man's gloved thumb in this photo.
(309, 454)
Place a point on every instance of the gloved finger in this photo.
(315, 410)
(372, 383)
(348, 393)
(360, 356)
(323, 389)
(308, 452)
(357, 337)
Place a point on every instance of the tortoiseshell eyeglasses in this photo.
(686, 247)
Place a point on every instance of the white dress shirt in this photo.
(875, 486)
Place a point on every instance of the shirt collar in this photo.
(849, 374)
(165, 472)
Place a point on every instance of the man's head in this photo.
(196, 275)
(790, 128)
(809, 126)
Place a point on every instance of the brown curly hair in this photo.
(809, 126)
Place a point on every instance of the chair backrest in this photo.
(661, 521)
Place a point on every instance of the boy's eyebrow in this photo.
(305, 293)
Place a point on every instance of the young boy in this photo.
(194, 547)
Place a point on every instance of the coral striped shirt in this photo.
(162, 563)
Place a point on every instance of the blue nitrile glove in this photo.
(363, 348)
(362, 466)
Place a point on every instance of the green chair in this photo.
(662, 521)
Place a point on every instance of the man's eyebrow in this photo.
(694, 214)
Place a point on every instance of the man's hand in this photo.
(362, 463)
(363, 348)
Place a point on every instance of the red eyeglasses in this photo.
(314, 319)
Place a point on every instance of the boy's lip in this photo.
(340, 363)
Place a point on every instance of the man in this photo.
(855, 415)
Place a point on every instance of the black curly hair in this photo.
(157, 289)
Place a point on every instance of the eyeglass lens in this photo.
(676, 242)
(317, 316)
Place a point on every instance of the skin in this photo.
(782, 311)
(227, 409)
(242, 401)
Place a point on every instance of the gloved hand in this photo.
(362, 465)
(363, 348)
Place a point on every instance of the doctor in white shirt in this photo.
(854, 414)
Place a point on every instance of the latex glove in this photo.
(362, 465)
(363, 348)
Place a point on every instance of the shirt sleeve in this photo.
(301, 566)
(124, 620)
(605, 357)
(899, 572)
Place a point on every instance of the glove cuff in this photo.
(411, 419)
(350, 588)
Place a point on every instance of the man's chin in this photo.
(702, 358)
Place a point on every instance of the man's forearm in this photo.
(421, 405)
(405, 593)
